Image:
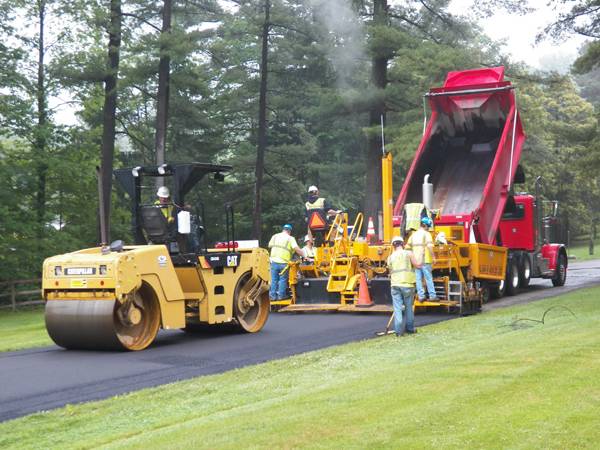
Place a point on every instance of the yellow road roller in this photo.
(119, 296)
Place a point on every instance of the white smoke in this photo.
(344, 29)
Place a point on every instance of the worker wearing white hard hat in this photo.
(308, 250)
(316, 202)
(401, 264)
(441, 238)
(164, 202)
(318, 205)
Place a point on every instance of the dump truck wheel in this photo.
(497, 289)
(485, 294)
(524, 272)
(104, 324)
(512, 278)
(560, 275)
(251, 317)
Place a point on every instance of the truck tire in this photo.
(560, 274)
(497, 290)
(485, 294)
(512, 278)
(524, 272)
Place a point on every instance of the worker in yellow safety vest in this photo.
(164, 201)
(401, 264)
(314, 203)
(421, 244)
(308, 250)
(282, 245)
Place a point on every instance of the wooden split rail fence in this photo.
(20, 288)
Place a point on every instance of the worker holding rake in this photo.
(402, 276)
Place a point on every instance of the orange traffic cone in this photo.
(370, 230)
(364, 298)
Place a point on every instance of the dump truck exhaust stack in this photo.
(427, 193)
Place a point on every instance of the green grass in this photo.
(22, 329)
(580, 249)
(477, 382)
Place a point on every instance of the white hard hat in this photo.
(163, 192)
(313, 189)
(441, 238)
(397, 239)
(307, 238)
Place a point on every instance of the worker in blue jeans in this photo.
(421, 244)
(282, 245)
(401, 264)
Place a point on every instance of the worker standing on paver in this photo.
(421, 244)
(401, 264)
(282, 245)
(314, 202)
(320, 206)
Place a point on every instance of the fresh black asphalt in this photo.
(50, 377)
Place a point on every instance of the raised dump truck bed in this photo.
(471, 148)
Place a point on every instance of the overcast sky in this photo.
(519, 33)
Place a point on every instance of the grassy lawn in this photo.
(22, 329)
(482, 381)
(580, 249)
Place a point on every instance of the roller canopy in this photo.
(185, 176)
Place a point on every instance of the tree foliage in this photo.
(334, 67)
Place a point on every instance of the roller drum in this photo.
(104, 324)
(251, 303)
(82, 324)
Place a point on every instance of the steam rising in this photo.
(346, 36)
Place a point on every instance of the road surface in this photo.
(50, 377)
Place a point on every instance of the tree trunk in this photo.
(42, 121)
(379, 65)
(262, 127)
(109, 116)
(162, 107)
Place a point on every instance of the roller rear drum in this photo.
(251, 303)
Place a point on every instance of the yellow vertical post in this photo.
(387, 200)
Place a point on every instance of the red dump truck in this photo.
(465, 168)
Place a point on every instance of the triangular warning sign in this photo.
(316, 222)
